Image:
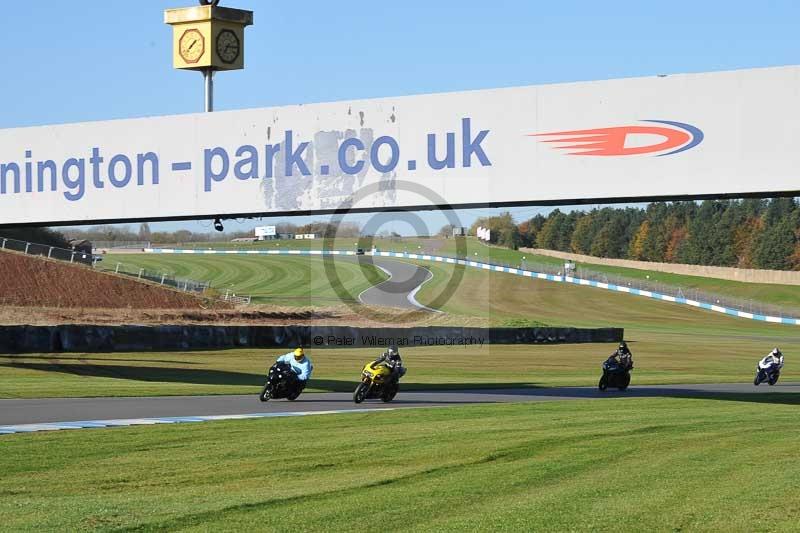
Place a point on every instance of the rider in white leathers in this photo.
(775, 357)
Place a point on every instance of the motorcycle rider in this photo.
(391, 358)
(301, 365)
(775, 357)
(622, 357)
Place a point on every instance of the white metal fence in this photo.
(102, 263)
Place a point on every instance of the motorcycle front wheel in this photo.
(603, 385)
(266, 393)
(360, 393)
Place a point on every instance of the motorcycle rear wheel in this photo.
(293, 396)
(625, 381)
(389, 395)
(360, 393)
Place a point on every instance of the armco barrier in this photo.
(88, 338)
(508, 270)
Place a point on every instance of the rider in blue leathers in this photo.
(300, 364)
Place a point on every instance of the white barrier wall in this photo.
(684, 135)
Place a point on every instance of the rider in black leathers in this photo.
(621, 359)
(391, 358)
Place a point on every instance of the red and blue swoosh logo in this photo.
(668, 138)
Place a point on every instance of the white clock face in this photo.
(228, 46)
(191, 46)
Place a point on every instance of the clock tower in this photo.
(208, 36)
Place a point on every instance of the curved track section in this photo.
(190, 408)
(404, 281)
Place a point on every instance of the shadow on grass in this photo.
(147, 373)
(62, 357)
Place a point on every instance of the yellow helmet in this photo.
(298, 353)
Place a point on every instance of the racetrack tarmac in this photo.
(397, 291)
(76, 409)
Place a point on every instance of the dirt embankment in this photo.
(27, 281)
(251, 315)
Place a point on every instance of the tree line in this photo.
(750, 233)
(126, 233)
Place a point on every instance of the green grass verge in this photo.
(608, 465)
(501, 299)
(660, 359)
(219, 269)
(784, 295)
(286, 280)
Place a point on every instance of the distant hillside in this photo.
(28, 281)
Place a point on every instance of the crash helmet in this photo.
(299, 353)
(392, 351)
(776, 352)
(623, 346)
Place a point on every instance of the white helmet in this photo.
(776, 352)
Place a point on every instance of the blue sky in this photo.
(105, 59)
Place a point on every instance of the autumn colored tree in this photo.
(636, 249)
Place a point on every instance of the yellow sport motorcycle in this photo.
(376, 383)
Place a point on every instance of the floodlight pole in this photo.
(208, 77)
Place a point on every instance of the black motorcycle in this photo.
(281, 382)
(615, 375)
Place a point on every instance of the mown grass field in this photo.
(286, 280)
(783, 295)
(660, 359)
(220, 269)
(607, 465)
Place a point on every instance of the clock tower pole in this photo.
(208, 38)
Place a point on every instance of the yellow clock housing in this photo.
(208, 37)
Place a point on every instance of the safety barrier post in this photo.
(72, 258)
(116, 270)
(27, 245)
(49, 252)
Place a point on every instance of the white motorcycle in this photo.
(768, 370)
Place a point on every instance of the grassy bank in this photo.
(784, 295)
(249, 274)
(609, 465)
(287, 280)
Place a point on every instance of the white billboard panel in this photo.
(685, 135)
(265, 231)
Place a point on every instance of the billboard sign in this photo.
(265, 231)
(682, 136)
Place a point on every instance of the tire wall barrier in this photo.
(88, 338)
